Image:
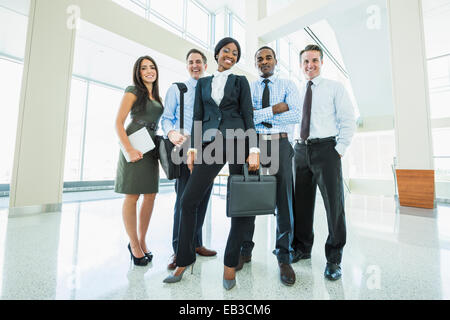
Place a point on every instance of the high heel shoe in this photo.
(229, 284)
(138, 261)
(172, 278)
(149, 256)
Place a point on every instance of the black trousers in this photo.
(180, 185)
(319, 165)
(285, 220)
(200, 181)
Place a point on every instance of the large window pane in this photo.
(436, 26)
(219, 27)
(439, 80)
(133, 7)
(284, 52)
(75, 130)
(165, 25)
(10, 85)
(371, 155)
(440, 103)
(197, 22)
(170, 9)
(239, 35)
(13, 32)
(441, 147)
(101, 146)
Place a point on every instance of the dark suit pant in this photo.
(200, 181)
(319, 165)
(284, 234)
(180, 185)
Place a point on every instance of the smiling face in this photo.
(148, 72)
(311, 64)
(195, 66)
(227, 57)
(265, 62)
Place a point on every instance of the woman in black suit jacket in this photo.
(222, 101)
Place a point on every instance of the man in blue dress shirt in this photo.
(277, 109)
(170, 121)
(327, 127)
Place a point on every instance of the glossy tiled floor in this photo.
(80, 253)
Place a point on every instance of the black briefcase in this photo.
(167, 148)
(251, 195)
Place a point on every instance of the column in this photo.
(38, 173)
(411, 103)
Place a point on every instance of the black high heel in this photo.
(138, 261)
(149, 256)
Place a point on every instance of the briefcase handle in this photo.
(246, 174)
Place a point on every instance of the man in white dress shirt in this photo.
(327, 127)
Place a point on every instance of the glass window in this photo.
(75, 130)
(371, 155)
(10, 85)
(13, 32)
(219, 27)
(440, 103)
(198, 22)
(441, 149)
(165, 25)
(239, 35)
(439, 81)
(101, 145)
(132, 6)
(436, 22)
(284, 52)
(170, 9)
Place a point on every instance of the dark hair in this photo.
(205, 60)
(312, 47)
(222, 43)
(268, 48)
(142, 91)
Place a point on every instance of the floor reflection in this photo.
(81, 253)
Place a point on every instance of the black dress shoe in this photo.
(287, 274)
(298, 255)
(333, 271)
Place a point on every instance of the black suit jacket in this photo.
(235, 110)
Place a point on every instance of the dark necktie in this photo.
(306, 115)
(266, 100)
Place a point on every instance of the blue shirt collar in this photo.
(272, 78)
(317, 80)
(192, 82)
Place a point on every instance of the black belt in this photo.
(149, 125)
(274, 136)
(316, 140)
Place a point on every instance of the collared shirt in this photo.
(332, 112)
(218, 85)
(170, 119)
(281, 90)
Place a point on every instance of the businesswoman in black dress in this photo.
(222, 102)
